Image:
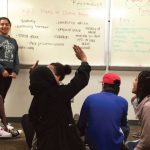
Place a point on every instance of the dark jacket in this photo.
(50, 110)
(9, 59)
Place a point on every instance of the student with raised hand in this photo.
(60, 72)
(103, 117)
(50, 110)
(142, 111)
(9, 61)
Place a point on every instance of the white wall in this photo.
(18, 98)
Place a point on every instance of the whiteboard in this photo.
(46, 30)
(130, 33)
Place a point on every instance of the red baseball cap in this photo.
(109, 78)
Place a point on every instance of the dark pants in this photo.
(28, 129)
(122, 148)
(132, 144)
(4, 85)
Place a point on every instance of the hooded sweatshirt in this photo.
(50, 110)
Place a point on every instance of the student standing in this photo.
(104, 115)
(9, 61)
(50, 111)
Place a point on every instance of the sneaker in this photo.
(15, 133)
(4, 134)
(10, 127)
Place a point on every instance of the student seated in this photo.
(50, 111)
(142, 91)
(103, 117)
(60, 71)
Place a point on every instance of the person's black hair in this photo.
(41, 78)
(113, 88)
(143, 85)
(5, 18)
(61, 70)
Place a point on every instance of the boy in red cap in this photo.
(103, 116)
(109, 78)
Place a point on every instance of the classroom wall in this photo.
(18, 99)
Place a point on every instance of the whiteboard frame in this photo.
(4, 8)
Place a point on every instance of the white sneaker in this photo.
(10, 127)
(15, 133)
(4, 134)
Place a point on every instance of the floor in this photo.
(134, 130)
(20, 143)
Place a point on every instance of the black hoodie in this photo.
(50, 110)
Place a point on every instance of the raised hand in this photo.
(79, 53)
